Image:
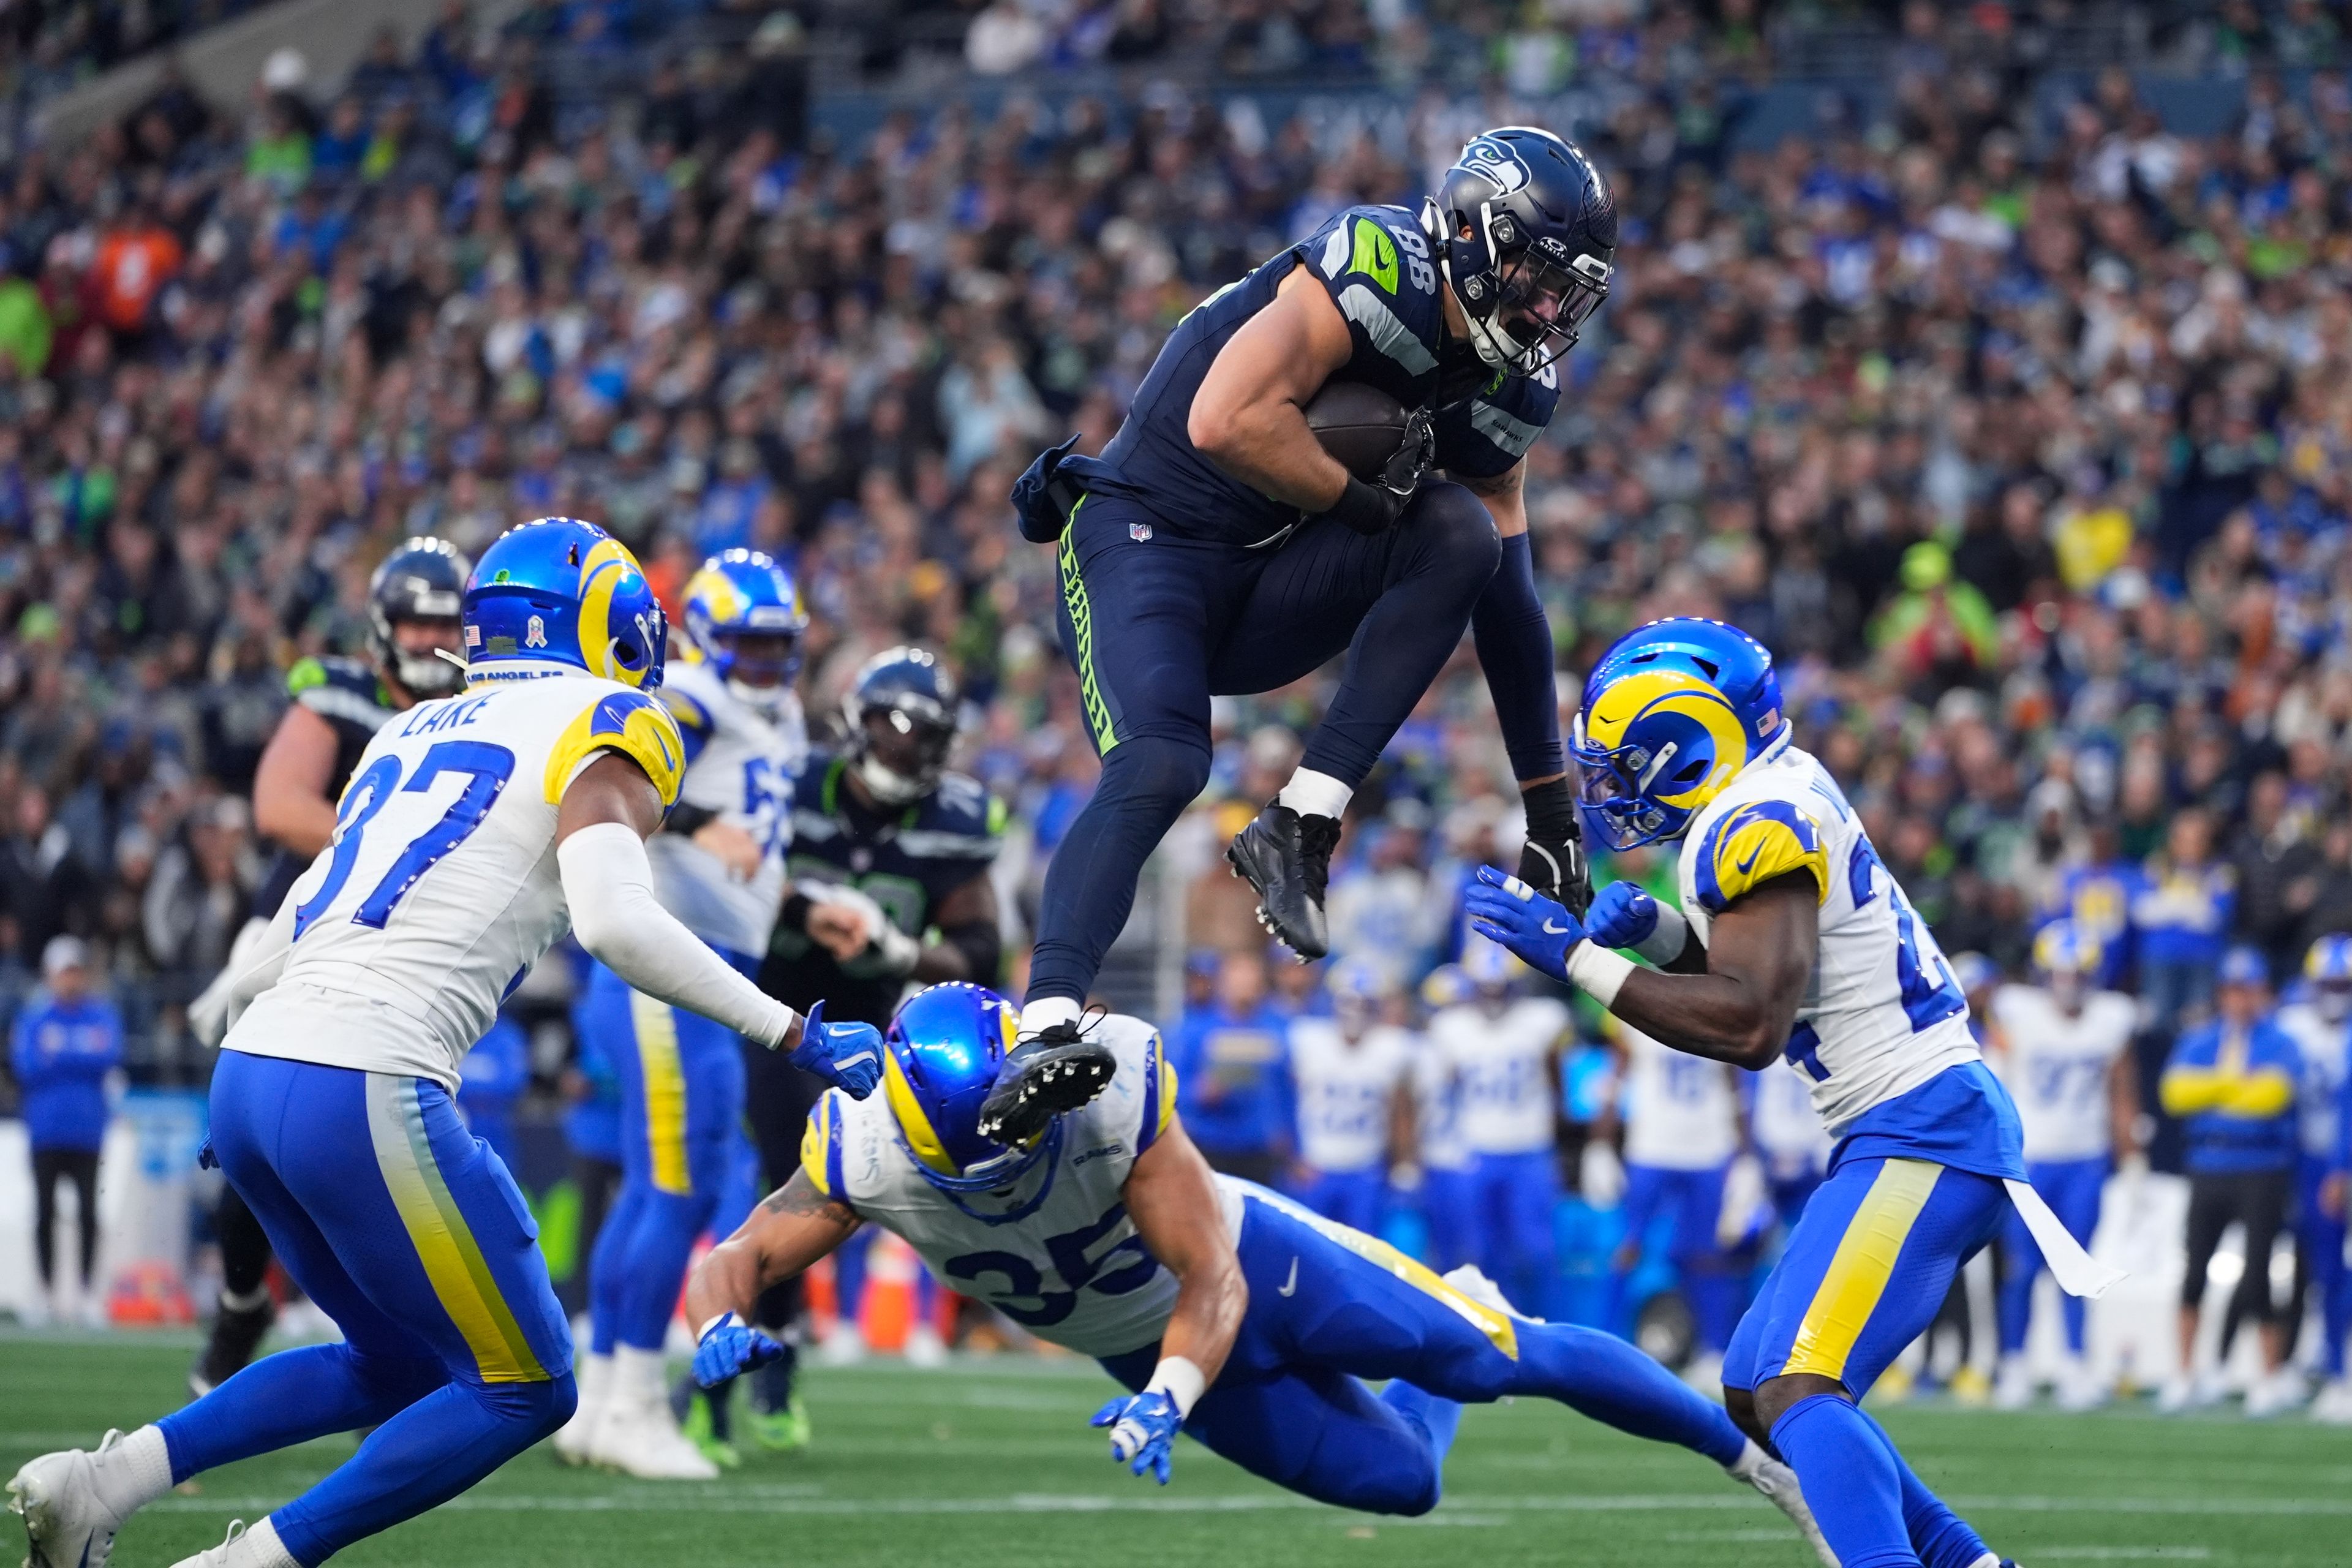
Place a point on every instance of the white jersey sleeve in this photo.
(1682, 1112)
(1346, 1090)
(440, 888)
(741, 768)
(1059, 1253)
(2058, 1065)
(1883, 1015)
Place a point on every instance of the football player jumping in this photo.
(1220, 549)
(1797, 944)
(477, 828)
(1229, 1312)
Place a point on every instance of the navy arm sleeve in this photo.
(1514, 640)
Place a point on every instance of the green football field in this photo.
(990, 1462)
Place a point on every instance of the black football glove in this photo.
(1553, 859)
(1373, 507)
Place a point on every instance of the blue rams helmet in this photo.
(556, 591)
(1525, 231)
(1673, 712)
(744, 615)
(940, 1060)
(2067, 947)
(421, 580)
(2329, 962)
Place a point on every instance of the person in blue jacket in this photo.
(67, 1041)
(1233, 1079)
(2232, 1082)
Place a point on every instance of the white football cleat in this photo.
(845, 1346)
(1778, 1482)
(924, 1347)
(643, 1441)
(67, 1523)
(2334, 1405)
(1472, 1282)
(2274, 1395)
(2185, 1390)
(576, 1439)
(2080, 1388)
(1705, 1373)
(256, 1548)
(2014, 1388)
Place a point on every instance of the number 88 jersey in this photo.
(1883, 1015)
(440, 888)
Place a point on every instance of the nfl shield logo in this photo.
(1138, 531)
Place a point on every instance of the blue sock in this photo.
(1436, 1419)
(608, 1273)
(653, 1263)
(291, 1397)
(1941, 1537)
(2014, 1308)
(420, 1458)
(849, 1275)
(1850, 1480)
(1600, 1375)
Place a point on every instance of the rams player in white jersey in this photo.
(1232, 1314)
(1348, 1075)
(1503, 1050)
(1682, 1130)
(2320, 1024)
(2063, 1048)
(475, 828)
(1796, 942)
(719, 867)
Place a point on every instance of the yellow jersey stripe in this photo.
(1500, 1329)
(453, 1261)
(1861, 1268)
(814, 1138)
(657, 1030)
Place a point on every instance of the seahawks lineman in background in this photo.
(1792, 940)
(719, 867)
(337, 707)
(1503, 1050)
(2320, 1024)
(1350, 1073)
(477, 830)
(2063, 1048)
(1216, 547)
(891, 862)
(1229, 1312)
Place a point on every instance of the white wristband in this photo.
(1177, 1377)
(720, 1322)
(1597, 971)
(1666, 941)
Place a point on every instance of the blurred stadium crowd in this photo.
(2024, 439)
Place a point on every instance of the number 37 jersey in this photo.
(1883, 1015)
(440, 889)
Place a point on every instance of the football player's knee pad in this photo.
(1451, 540)
(1156, 769)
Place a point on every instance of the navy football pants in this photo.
(1155, 624)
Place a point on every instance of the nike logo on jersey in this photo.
(1553, 928)
(1750, 861)
(1290, 1286)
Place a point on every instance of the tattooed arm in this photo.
(796, 1224)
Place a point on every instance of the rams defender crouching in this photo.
(477, 830)
(1232, 1314)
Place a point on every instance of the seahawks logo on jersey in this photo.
(1497, 163)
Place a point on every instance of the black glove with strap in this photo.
(1373, 507)
(1552, 860)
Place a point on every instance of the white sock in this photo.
(1047, 1011)
(1750, 1455)
(1310, 794)
(135, 1472)
(1990, 1559)
(594, 1375)
(259, 1547)
(639, 1376)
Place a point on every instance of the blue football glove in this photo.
(1622, 915)
(1539, 930)
(730, 1348)
(847, 1055)
(1143, 1432)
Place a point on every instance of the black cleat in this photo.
(236, 1333)
(1045, 1074)
(1287, 858)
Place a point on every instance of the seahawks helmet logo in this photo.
(1496, 163)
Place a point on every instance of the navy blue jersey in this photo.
(907, 860)
(346, 693)
(1374, 261)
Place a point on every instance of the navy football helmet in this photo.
(901, 716)
(1525, 231)
(422, 580)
